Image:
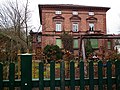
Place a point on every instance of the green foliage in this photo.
(53, 52)
(88, 48)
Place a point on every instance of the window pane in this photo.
(58, 12)
(109, 45)
(94, 43)
(58, 26)
(75, 27)
(75, 44)
(59, 43)
(91, 26)
(39, 39)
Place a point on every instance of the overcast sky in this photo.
(113, 15)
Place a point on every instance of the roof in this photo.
(70, 6)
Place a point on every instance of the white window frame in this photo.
(39, 38)
(75, 27)
(91, 13)
(75, 13)
(58, 27)
(58, 12)
(91, 25)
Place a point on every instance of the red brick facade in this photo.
(68, 15)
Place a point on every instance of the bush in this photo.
(53, 52)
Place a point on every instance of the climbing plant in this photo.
(67, 41)
(88, 47)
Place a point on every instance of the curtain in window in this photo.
(75, 27)
(58, 27)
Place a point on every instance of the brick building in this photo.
(36, 44)
(77, 20)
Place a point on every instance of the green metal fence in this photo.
(26, 82)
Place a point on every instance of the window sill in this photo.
(75, 48)
(58, 31)
(75, 31)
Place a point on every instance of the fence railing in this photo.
(27, 83)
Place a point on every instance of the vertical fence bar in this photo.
(11, 76)
(109, 75)
(52, 75)
(1, 76)
(100, 75)
(26, 72)
(117, 74)
(91, 76)
(62, 75)
(72, 75)
(19, 64)
(82, 82)
(41, 76)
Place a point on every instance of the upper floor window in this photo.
(91, 13)
(75, 13)
(75, 27)
(58, 21)
(92, 21)
(58, 27)
(58, 12)
(91, 26)
(39, 38)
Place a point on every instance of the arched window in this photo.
(91, 22)
(75, 21)
(58, 23)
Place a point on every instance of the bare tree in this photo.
(15, 17)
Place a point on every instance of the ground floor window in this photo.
(109, 44)
(94, 43)
(59, 42)
(75, 43)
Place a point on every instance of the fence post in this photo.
(11, 76)
(100, 75)
(1, 76)
(72, 75)
(52, 75)
(91, 76)
(41, 76)
(62, 75)
(82, 80)
(26, 72)
(18, 64)
(117, 74)
(109, 75)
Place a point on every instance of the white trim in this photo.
(58, 27)
(58, 12)
(91, 13)
(75, 13)
(75, 27)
